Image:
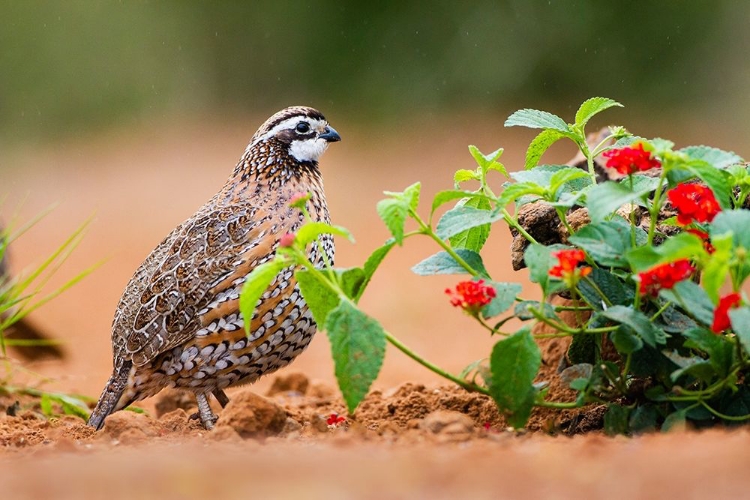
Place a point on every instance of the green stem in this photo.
(564, 220)
(514, 223)
(434, 368)
(655, 208)
(722, 416)
(425, 229)
(558, 405)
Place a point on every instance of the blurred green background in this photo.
(69, 67)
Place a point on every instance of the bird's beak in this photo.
(330, 135)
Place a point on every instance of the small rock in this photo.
(118, 423)
(253, 416)
(291, 382)
(319, 423)
(447, 422)
(291, 425)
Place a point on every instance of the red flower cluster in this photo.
(703, 236)
(721, 314)
(335, 420)
(471, 296)
(664, 276)
(629, 160)
(568, 264)
(694, 203)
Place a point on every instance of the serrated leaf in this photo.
(505, 296)
(319, 297)
(462, 218)
(514, 363)
(514, 192)
(719, 349)
(565, 176)
(352, 280)
(606, 242)
(692, 299)
(718, 180)
(463, 175)
(475, 237)
(625, 341)
(540, 145)
(393, 212)
(443, 197)
(443, 263)
(488, 162)
(539, 260)
(716, 157)
(256, 284)
(411, 194)
(358, 347)
(680, 246)
(609, 285)
(533, 118)
(591, 107)
(373, 261)
(605, 198)
(638, 322)
(311, 230)
(716, 269)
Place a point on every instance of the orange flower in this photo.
(721, 314)
(664, 276)
(568, 269)
(471, 296)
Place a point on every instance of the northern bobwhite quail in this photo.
(178, 322)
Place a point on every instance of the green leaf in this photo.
(676, 420)
(463, 175)
(311, 230)
(533, 118)
(740, 318)
(735, 221)
(565, 176)
(680, 246)
(606, 242)
(692, 366)
(625, 340)
(444, 197)
(373, 261)
(539, 260)
(716, 268)
(514, 192)
(505, 296)
(45, 404)
(720, 350)
(474, 237)
(395, 209)
(488, 162)
(718, 180)
(256, 284)
(460, 219)
(320, 298)
(616, 419)
(639, 322)
(514, 363)
(443, 263)
(693, 300)
(352, 279)
(540, 145)
(358, 347)
(714, 156)
(605, 198)
(609, 285)
(522, 312)
(591, 107)
(394, 212)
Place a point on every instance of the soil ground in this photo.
(414, 436)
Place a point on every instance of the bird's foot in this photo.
(208, 418)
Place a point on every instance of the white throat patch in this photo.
(308, 149)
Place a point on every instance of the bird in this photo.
(178, 322)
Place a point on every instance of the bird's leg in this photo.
(208, 419)
(220, 397)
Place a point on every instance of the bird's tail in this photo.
(108, 401)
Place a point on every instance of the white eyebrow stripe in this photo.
(289, 124)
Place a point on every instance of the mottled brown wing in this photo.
(203, 257)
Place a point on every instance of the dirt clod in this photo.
(253, 416)
(291, 382)
(171, 399)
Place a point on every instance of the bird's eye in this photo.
(303, 127)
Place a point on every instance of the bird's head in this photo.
(303, 132)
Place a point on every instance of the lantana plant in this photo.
(651, 259)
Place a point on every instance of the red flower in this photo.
(664, 276)
(287, 240)
(335, 420)
(703, 236)
(721, 314)
(567, 268)
(694, 203)
(471, 296)
(629, 160)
